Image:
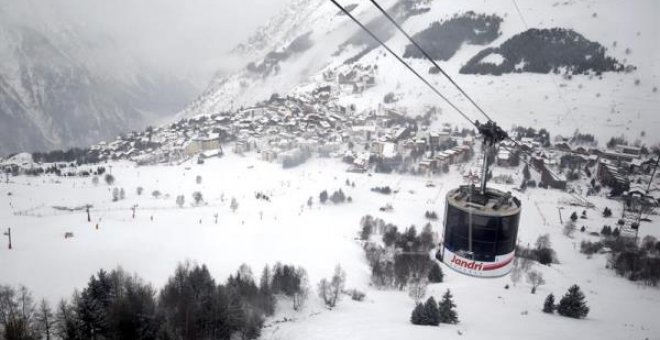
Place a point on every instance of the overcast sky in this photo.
(188, 36)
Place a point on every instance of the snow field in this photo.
(316, 238)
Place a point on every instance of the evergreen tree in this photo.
(572, 304)
(549, 304)
(432, 312)
(606, 231)
(67, 325)
(418, 316)
(607, 212)
(435, 274)
(446, 307)
(426, 238)
(390, 236)
(266, 299)
(574, 216)
(323, 196)
(109, 179)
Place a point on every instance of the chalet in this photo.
(617, 156)
(241, 146)
(503, 157)
(639, 166)
(548, 176)
(608, 174)
(633, 151)
(638, 200)
(269, 155)
(428, 165)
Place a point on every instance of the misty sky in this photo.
(188, 37)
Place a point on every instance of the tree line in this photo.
(191, 305)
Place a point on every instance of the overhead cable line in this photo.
(435, 64)
(404, 63)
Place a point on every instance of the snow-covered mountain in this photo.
(607, 83)
(60, 88)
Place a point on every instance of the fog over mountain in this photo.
(75, 72)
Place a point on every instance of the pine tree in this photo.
(418, 316)
(432, 312)
(267, 299)
(572, 304)
(574, 216)
(446, 307)
(435, 274)
(549, 304)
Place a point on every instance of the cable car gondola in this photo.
(480, 231)
(481, 224)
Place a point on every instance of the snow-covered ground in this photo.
(317, 238)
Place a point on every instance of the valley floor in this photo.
(286, 229)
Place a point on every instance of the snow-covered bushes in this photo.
(431, 215)
(386, 190)
(357, 295)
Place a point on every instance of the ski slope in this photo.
(317, 238)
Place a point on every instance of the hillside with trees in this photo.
(443, 39)
(544, 51)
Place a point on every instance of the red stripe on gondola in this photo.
(498, 265)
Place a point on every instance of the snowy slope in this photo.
(317, 238)
(607, 107)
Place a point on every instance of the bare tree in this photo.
(45, 320)
(197, 196)
(180, 200)
(535, 279)
(569, 229)
(301, 295)
(417, 289)
(330, 291)
(324, 292)
(16, 312)
(543, 241)
(516, 271)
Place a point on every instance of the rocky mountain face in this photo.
(59, 89)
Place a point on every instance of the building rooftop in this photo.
(493, 203)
